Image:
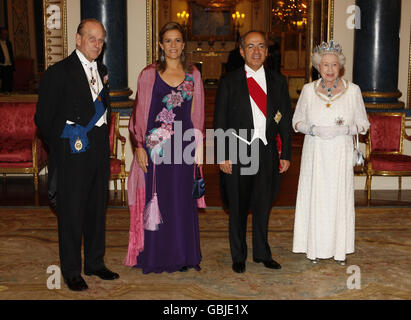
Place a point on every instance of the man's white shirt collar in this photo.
(86, 65)
(251, 73)
(84, 60)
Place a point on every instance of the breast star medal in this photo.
(278, 117)
(339, 121)
(78, 145)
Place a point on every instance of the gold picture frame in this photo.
(151, 31)
(55, 31)
(320, 19)
(409, 75)
(325, 19)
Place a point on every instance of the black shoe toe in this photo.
(270, 264)
(76, 283)
(239, 267)
(103, 273)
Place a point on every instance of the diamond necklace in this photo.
(329, 90)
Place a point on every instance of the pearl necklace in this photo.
(329, 90)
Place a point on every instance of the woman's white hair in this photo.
(316, 59)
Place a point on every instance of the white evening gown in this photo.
(324, 225)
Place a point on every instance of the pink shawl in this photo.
(137, 127)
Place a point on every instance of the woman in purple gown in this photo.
(164, 231)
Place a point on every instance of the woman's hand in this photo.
(142, 158)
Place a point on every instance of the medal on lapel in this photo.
(78, 145)
(278, 117)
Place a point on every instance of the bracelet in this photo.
(311, 130)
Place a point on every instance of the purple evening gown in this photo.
(176, 244)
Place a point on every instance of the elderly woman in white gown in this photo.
(330, 111)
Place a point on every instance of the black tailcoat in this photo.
(81, 179)
(6, 72)
(242, 193)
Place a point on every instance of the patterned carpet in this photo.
(28, 245)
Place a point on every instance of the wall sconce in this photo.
(238, 23)
(238, 17)
(183, 17)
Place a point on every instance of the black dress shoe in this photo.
(239, 267)
(103, 273)
(76, 283)
(184, 269)
(270, 264)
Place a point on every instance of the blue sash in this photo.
(77, 134)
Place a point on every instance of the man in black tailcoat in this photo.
(255, 99)
(6, 61)
(72, 114)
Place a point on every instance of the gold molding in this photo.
(409, 75)
(376, 94)
(122, 104)
(19, 98)
(330, 31)
(310, 41)
(396, 105)
(151, 30)
(121, 93)
(325, 36)
(55, 40)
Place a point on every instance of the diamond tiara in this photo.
(330, 47)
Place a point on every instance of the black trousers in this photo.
(256, 193)
(82, 190)
(6, 75)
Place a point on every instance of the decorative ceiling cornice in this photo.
(217, 4)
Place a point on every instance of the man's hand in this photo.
(284, 165)
(142, 159)
(226, 167)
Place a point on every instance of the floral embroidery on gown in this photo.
(176, 243)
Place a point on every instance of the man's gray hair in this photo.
(83, 22)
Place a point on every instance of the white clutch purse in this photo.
(358, 156)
